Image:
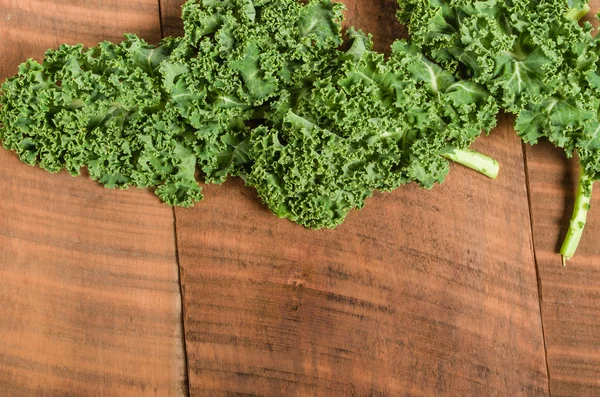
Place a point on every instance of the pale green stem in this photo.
(582, 206)
(576, 14)
(475, 160)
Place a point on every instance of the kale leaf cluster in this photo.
(265, 90)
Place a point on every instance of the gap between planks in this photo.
(186, 388)
(160, 19)
(186, 384)
(537, 268)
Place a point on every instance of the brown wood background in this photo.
(451, 292)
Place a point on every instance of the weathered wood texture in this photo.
(570, 295)
(89, 293)
(377, 17)
(422, 293)
(29, 27)
(170, 17)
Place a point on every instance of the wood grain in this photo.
(570, 295)
(170, 17)
(90, 301)
(422, 293)
(377, 17)
(29, 27)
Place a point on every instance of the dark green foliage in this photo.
(368, 124)
(139, 115)
(256, 89)
(101, 108)
(235, 57)
(535, 58)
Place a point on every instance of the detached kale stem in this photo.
(576, 14)
(475, 160)
(582, 206)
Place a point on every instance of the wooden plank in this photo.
(29, 27)
(421, 293)
(570, 295)
(170, 17)
(89, 279)
(378, 18)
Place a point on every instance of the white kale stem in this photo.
(476, 161)
(578, 220)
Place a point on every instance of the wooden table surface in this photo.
(457, 291)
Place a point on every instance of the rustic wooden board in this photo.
(570, 295)
(90, 301)
(421, 293)
(170, 17)
(29, 27)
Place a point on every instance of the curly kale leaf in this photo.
(100, 108)
(370, 125)
(136, 114)
(235, 58)
(537, 60)
(517, 49)
(441, 114)
(332, 127)
(306, 173)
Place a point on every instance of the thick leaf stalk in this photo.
(578, 220)
(576, 14)
(476, 161)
